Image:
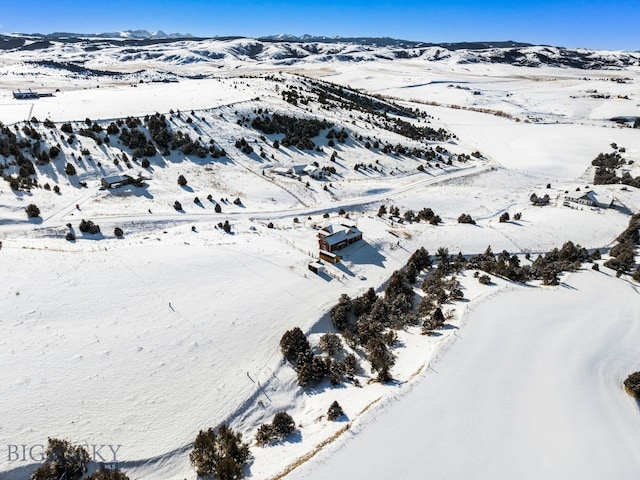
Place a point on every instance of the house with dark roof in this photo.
(117, 181)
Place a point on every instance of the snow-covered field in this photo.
(530, 389)
(142, 341)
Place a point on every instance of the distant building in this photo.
(338, 236)
(117, 181)
(299, 170)
(589, 199)
(165, 80)
(30, 95)
(314, 172)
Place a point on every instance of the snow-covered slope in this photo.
(144, 339)
(531, 385)
(175, 49)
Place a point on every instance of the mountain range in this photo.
(175, 48)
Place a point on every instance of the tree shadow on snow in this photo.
(448, 326)
(344, 418)
(324, 325)
(128, 190)
(295, 437)
(92, 236)
(20, 473)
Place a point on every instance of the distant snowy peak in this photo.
(306, 38)
(286, 37)
(126, 34)
(143, 35)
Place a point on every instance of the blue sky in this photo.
(613, 24)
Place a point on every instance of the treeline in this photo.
(368, 323)
(312, 369)
(428, 153)
(606, 172)
(161, 138)
(546, 267)
(298, 132)
(624, 251)
(425, 214)
(414, 132)
(21, 147)
(352, 100)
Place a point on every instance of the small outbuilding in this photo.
(316, 267)
(329, 256)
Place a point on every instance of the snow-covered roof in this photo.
(596, 198)
(340, 233)
(116, 178)
(599, 198)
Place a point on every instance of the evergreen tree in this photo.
(62, 460)
(632, 384)
(335, 411)
(283, 425)
(265, 434)
(340, 313)
(220, 453)
(330, 343)
(32, 210)
(293, 343)
(108, 475)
